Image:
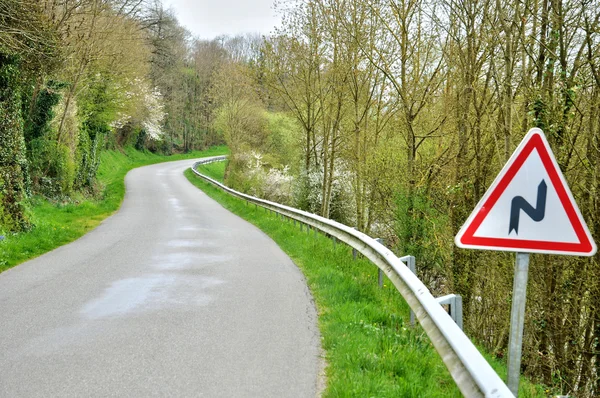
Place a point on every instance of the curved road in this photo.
(171, 296)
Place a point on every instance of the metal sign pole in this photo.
(517, 321)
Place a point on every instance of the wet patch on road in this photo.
(152, 292)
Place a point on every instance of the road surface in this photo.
(171, 296)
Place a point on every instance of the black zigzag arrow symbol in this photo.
(536, 214)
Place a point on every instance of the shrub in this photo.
(249, 173)
(88, 160)
(308, 195)
(13, 164)
(52, 167)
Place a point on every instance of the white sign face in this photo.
(528, 208)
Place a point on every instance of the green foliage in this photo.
(4, 216)
(52, 168)
(140, 140)
(419, 226)
(97, 108)
(238, 175)
(43, 111)
(88, 160)
(282, 141)
(13, 163)
(128, 135)
(243, 124)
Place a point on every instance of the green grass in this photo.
(59, 223)
(216, 170)
(371, 351)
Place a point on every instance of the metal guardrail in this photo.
(471, 372)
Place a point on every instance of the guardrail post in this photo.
(454, 301)
(411, 264)
(354, 250)
(457, 312)
(380, 272)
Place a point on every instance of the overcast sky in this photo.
(210, 18)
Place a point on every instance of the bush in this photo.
(308, 195)
(88, 160)
(249, 173)
(52, 168)
(421, 230)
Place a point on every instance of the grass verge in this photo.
(370, 348)
(59, 223)
(216, 170)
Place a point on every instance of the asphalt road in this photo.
(171, 296)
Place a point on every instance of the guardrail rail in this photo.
(471, 372)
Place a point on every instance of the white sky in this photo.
(207, 19)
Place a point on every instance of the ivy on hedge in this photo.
(13, 163)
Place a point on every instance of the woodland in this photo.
(389, 116)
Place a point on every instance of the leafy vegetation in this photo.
(13, 165)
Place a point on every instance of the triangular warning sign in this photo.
(528, 207)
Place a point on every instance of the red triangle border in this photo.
(584, 246)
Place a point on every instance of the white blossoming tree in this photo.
(142, 108)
